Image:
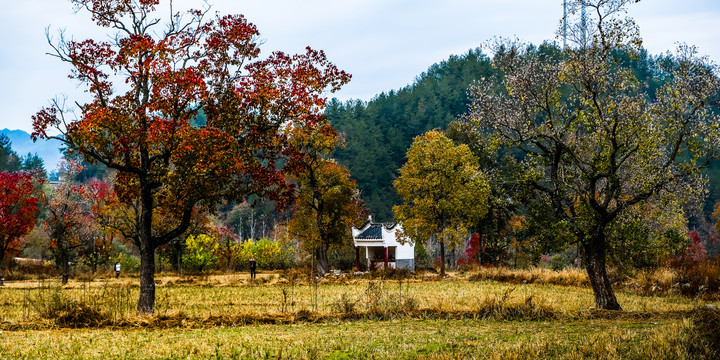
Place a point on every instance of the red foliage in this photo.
(696, 252)
(252, 107)
(18, 210)
(473, 249)
(172, 71)
(694, 255)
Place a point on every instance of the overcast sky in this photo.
(384, 44)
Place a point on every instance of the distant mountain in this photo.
(48, 150)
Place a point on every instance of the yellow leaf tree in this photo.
(442, 190)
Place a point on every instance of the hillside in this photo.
(48, 150)
(378, 132)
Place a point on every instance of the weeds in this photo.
(706, 330)
(344, 305)
(57, 307)
(90, 307)
(567, 277)
(295, 299)
(701, 280)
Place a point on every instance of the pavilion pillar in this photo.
(386, 257)
(357, 258)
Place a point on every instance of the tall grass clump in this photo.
(382, 302)
(88, 307)
(502, 308)
(704, 340)
(701, 280)
(567, 276)
(62, 310)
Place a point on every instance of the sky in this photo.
(384, 44)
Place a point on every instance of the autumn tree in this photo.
(200, 252)
(443, 191)
(595, 147)
(227, 241)
(149, 82)
(102, 203)
(500, 167)
(18, 212)
(328, 202)
(66, 220)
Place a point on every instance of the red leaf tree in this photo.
(66, 220)
(18, 212)
(142, 126)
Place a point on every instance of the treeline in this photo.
(10, 161)
(378, 133)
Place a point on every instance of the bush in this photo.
(200, 253)
(268, 254)
(702, 279)
(557, 262)
(128, 262)
(24, 269)
(422, 259)
(341, 256)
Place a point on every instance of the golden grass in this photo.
(404, 339)
(232, 299)
(290, 317)
(568, 276)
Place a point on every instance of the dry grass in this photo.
(288, 316)
(286, 298)
(698, 281)
(365, 339)
(568, 277)
(706, 321)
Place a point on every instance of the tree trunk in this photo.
(146, 302)
(480, 248)
(2, 266)
(65, 266)
(322, 262)
(597, 272)
(175, 256)
(442, 257)
(94, 257)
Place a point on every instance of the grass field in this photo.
(284, 317)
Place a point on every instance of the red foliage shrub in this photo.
(701, 280)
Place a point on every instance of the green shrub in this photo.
(268, 254)
(557, 262)
(422, 258)
(128, 262)
(200, 253)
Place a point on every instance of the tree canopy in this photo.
(142, 128)
(443, 192)
(378, 133)
(328, 202)
(18, 212)
(595, 147)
